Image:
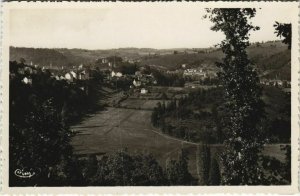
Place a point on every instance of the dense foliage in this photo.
(284, 30)
(39, 138)
(40, 112)
(165, 79)
(203, 163)
(242, 98)
(199, 116)
(214, 173)
(195, 117)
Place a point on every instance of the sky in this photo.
(161, 26)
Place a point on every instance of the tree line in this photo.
(195, 117)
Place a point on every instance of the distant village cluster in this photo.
(80, 73)
(276, 82)
(138, 76)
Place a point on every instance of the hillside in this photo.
(39, 56)
(272, 58)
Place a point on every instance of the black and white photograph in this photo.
(151, 95)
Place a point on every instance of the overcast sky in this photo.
(163, 26)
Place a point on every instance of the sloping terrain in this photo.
(272, 58)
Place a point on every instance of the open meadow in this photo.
(113, 129)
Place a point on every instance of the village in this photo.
(140, 80)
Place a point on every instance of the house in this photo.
(192, 72)
(144, 91)
(195, 73)
(84, 75)
(119, 74)
(74, 75)
(104, 60)
(279, 82)
(174, 72)
(116, 74)
(81, 75)
(69, 76)
(137, 83)
(27, 80)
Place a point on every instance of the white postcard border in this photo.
(284, 189)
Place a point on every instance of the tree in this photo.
(214, 173)
(284, 30)
(123, 169)
(22, 60)
(203, 163)
(177, 171)
(90, 168)
(244, 107)
(154, 117)
(35, 143)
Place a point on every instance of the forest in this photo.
(199, 117)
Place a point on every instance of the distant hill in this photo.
(271, 58)
(43, 57)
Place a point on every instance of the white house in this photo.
(69, 76)
(84, 75)
(27, 80)
(81, 75)
(144, 91)
(113, 74)
(73, 74)
(117, 74)
(280, 82)
(137, 83)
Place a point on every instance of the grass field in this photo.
(141, 104)
(116, 128)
